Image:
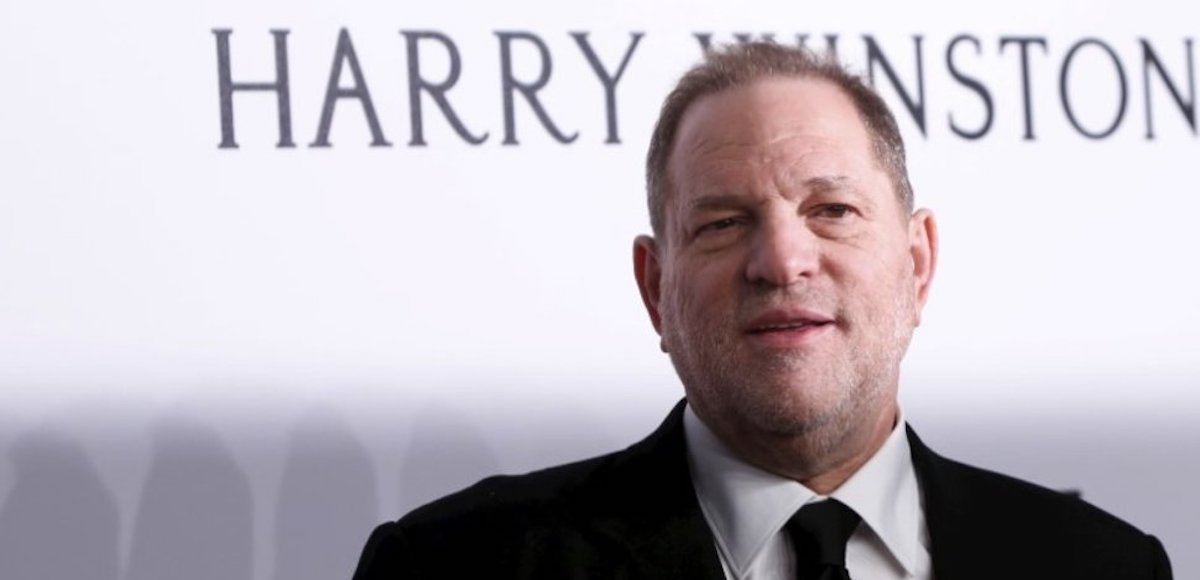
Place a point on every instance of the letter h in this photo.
(226, 87)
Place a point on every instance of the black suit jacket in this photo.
(634, 514)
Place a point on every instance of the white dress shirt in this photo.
(747, 508)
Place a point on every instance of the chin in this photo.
(792, 420)
(825, 405)
(790, 409)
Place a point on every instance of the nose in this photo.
(783, 251)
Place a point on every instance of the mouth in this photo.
(786, 320)
(788, 327)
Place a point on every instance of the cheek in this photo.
(673, 299)
(698, 290)
(859, 270)
(879, 282)
(714, 282)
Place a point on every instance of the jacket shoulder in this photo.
(622, 482)
(981, 516)
(1019, 502)
(550, 523)
(500, 499)
(489, 529)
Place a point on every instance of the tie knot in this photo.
(819, 533)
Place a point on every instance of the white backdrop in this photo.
(230, 363)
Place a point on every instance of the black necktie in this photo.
(819, 532)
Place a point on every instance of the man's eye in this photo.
(834, 210)
(718, 225)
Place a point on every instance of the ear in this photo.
(648, 272)
(923, 245)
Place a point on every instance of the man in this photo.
(785, 277)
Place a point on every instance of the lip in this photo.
(788, 328)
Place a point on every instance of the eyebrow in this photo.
(827, 184)
(823, 184)
(813, 185)
(718, 201)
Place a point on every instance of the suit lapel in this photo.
(660, 522)
(953, 536)
(664, 533)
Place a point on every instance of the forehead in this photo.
(791, 128)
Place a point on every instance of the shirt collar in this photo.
(747, 506)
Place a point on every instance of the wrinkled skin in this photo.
(788, 279)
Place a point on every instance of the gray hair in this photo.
(742, 64)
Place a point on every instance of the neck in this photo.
(835, 475)
(823, 459)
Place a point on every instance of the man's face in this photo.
(788, 278)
